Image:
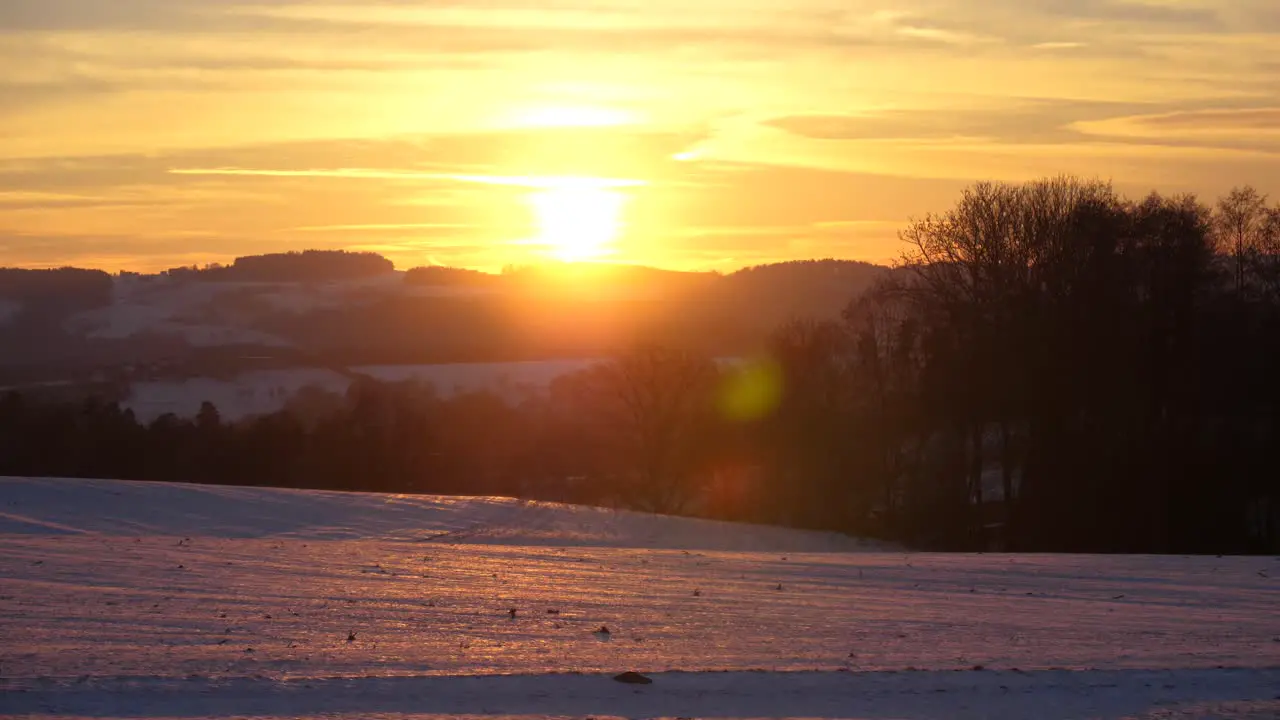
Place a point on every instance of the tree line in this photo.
(42, 294)
(1051, 367)
(305, 266)
(1105, 367)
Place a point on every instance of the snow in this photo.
(261, 392)
(179, 307)
(509, 379)
(1057, 695)
(159, 600)
(117, 508)
(256, 392)
(168, 307)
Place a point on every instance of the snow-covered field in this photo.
(150, 600)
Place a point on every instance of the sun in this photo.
(577, 220)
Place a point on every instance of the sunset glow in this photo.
(570, 117)
(153, 133)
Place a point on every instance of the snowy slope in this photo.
(167, 307)
(153, 600)
(43, 506)
(182, 307)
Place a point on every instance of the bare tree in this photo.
(1244, 228)
(649, 415)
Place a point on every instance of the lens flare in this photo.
(751, 390)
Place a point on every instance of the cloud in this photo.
(454, 28)
(1133, 11)
(1265, 119)
(1242, 127)
(1059, 45)
(345, 173)
(125, 251)
(544, 182)
(1255, 129)
(27, 200)
(393, 227)
(89, 14)
(22, 96)
(486, 28)
(1016, 121)
(527, 157)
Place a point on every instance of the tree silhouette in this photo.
(648, 416)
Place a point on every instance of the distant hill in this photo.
(56, 291)
(35, 304)
(440, 275)
(335, 308)
(778, 292)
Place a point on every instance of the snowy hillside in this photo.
(157, 305)
(41, 506)
(214, 313)
(151, 600)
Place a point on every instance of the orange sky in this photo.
(143, 134)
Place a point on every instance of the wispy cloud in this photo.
(519, 181)
(357, 173)
(1059, 45)
(388, 227)
(1264, 120)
